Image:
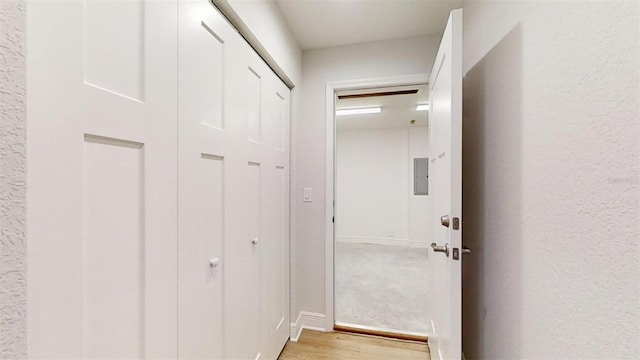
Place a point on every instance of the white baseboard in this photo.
(382, 241)
(307, 320)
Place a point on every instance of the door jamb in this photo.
(330, 120)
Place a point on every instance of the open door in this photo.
(445, 124)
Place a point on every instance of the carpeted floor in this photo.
(381, 286)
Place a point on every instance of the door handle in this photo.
(214, 262)
(254, 241)
(443, 249)
(444, 220)
(466, 250)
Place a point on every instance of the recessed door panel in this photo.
(114, 55)
(278, 121)
(254, 95)
(114, 251)
(277, 297)
(201, 258)
(252, 255)
(210, 85)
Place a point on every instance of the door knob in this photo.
(214, 262)
(254, 241)
(466, 250)
(444, 220)
(443, 249)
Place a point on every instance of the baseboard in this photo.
(306, 320)
(382, 241)
(390, 333)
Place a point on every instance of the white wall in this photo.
(13, 256)
(376, 59)
(374, 188)
(551, 180)
(419, 206)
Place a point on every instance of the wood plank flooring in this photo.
(319, 345)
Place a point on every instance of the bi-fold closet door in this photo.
(102, 167)
(232, 193)
(157, 195)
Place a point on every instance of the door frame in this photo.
(330, 121)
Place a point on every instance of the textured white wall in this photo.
(369, 60)
(13, 344)
(551, 180)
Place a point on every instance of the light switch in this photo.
(306, 197)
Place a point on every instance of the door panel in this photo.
(277, 298)
(254, 100)
(114, 296)
(207, 163)
(445, 184)
(277, 264)
(210, 65)
(107, 47)
(102, 179)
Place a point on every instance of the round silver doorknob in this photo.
(214, 262)
(254, 241)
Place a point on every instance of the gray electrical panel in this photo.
(421, 176)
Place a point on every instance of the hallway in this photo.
(169, 179)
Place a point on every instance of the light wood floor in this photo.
(319, 345)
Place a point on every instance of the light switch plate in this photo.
(306, 194)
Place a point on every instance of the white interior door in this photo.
(445, 123)
(102, 179)
(210, 177)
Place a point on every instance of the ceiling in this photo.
(326, 23)
(397, 110)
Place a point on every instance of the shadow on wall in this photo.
(492, 201)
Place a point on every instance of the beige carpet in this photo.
(381, 286)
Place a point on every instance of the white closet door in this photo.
(276, 248)
(233, 193)
(210, 168)
(102, 179)
(266, 108)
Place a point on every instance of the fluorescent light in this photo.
(422, 107)
(371, 110)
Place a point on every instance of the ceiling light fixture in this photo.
(422, 107)
(371, 110)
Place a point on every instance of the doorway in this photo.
(381, 207)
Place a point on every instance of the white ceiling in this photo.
(325, 23)
(397, 110)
